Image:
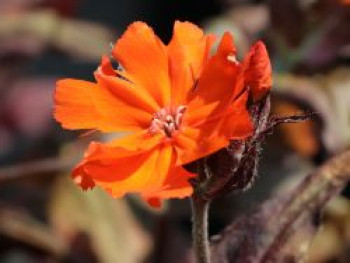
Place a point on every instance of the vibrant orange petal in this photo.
(151, 173)
(153, 201)
(194, 43)
(130, 144)
(85, 105)
(105, 172)
(78, 174)
(217, 80)
(139, 141)
(83, 180)
(257, 71)
(129, 171)
(144, 58)
(176, 185)
(197, 117)
(238, 124)
(119, 149)
(188, 51)
(146, 177)
(120, 169)
(194, 143)
(106, 67)
(123, 88)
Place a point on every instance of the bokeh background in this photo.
(44, 217)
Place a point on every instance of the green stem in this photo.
(200, 230)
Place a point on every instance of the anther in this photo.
(167, 120)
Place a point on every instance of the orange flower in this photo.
(177, 103)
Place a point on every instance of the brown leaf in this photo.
(333, 238)
(80, 39)
(328, 97)
(300, 137)
(272, 232)
(21, 227)
(114, 233)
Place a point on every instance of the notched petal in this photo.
(258, 72)
(144, 57)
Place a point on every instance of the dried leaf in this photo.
(328, 96)
(21, 227)
(41, 27)
(115, 235)
(271, 233)
(301, 136)
(333, 238)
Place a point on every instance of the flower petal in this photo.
(106, 66)
(85, 105)
(188, 51)
(123, 88)
(106, 154)
(194, 143)
(238, 124)
(198, 116)
(194, 44)
(257, 71)
(144, 58)
(139, 141)
(217, 79)
(120, 171)
(176, 185)
(205, 138)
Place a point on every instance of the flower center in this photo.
(167, 120)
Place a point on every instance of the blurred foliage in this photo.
(114, 234)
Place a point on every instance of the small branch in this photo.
(18, 171)
(200, 229)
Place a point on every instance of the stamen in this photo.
(167, 120)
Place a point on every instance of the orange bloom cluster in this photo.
(177, 103)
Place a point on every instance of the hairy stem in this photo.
(200, 209)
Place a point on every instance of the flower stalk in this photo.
(200, 208)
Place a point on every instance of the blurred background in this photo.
(44, 217)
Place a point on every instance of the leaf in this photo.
(331, 242)
(21, 227)
(300, 137)
(273, 232)
(328, 97)
(36, 29)
(114, 233)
